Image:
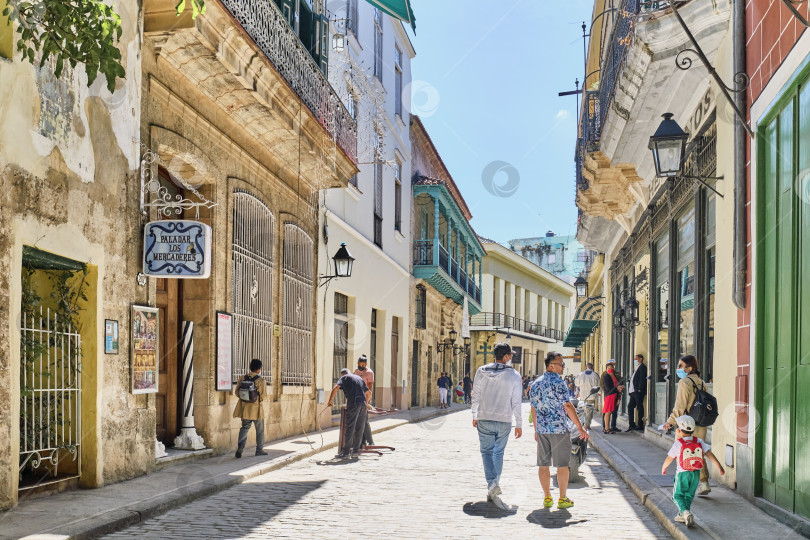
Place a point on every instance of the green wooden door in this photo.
(783, 326)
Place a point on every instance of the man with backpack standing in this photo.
(250, 391)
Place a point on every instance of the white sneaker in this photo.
(494, 491)
(679, 518)
(703, 489)
(688, 518)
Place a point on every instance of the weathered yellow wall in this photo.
(68, 177)
(6, 33)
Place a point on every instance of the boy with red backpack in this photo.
(690, 453)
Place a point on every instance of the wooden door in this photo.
(396, 385)
(417, 352)
(166, 399)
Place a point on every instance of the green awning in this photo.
(590, 310)
(578, 332)
(401, 9)
(38, 259)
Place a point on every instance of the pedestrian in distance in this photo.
(612, 390)
(552, 405)
(689, 381)
(584, 382)
(691, 453)
(448, 384)
(496, 400)
(468, 388)
(250, 391)
(357, 397)
(365, 373)
(637, 393)
(441, 383)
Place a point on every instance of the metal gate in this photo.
(50, 392)
(252, 284)
(296, 341)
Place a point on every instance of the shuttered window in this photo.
(296, 337)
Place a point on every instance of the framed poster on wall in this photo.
(145, 349)
(110, 336)
(224, 351)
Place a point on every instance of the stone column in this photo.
(188, 438)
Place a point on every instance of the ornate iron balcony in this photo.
(265, 24)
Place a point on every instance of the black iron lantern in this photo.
(618, 318)
(632, 312)
(339, 42)
(453, 336)
(343, 262)
(581, 284)
(668, 146)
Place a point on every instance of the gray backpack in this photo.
(247, 391)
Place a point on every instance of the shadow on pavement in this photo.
(338, 461)
(488, 510)
(582, 483)
(552, 520)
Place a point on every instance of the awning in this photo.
(401, 9)
(590, 310)
(578, 332)
(586, 319)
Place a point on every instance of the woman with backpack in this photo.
(690, 382)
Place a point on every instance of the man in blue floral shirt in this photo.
(553, 412)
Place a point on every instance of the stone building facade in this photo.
(447, 257)
(232, 125)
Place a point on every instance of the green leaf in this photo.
(181, 7)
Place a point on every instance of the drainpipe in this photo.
(740, 191)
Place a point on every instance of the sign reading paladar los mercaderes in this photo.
(177, 248)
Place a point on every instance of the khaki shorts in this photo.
(553, 449)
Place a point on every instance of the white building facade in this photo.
(368, 313)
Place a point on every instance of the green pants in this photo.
(686, 483)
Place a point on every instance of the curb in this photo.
(647, 492)
(121, 518)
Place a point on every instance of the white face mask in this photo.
(635, 362)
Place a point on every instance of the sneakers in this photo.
(493, 491)
(238, 453)
(548, 502)
(565, 502)
(261, 453)
(341, 455)
(679, 518)
(703, 489)
(688, 518)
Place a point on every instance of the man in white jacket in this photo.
(496, 399)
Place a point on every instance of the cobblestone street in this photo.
(431, 487)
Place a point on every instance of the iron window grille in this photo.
(252, 283)
(296, 336)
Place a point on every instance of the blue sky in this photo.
(485, 85)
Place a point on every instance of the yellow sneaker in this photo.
(565, 502)
(548, 502)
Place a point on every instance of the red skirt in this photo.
(610, 403)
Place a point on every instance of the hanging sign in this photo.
(177, 248)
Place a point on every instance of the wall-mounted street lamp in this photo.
(631, 310)
(618, 318)
(668, 145)
(339, 42)
(448, 343)
(581, 285)
(343, 262)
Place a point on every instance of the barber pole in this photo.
(188, 438)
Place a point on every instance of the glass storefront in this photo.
(660, 318)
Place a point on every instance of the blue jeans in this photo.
(243, 431)
(493, 437)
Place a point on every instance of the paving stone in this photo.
(432, 486)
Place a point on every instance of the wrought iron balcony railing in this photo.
(597, 103)
(423, 256)
(265, 24)
(501, 320)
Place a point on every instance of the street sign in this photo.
(177, 248)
